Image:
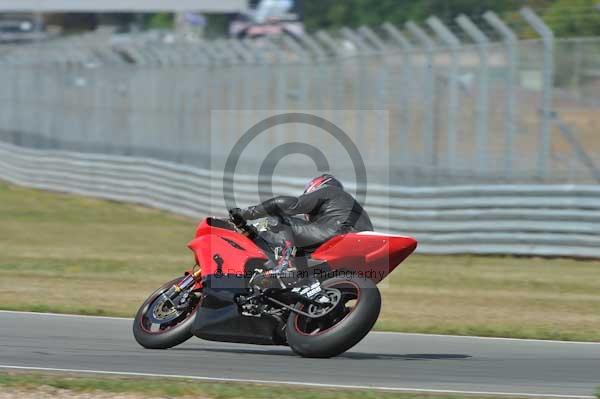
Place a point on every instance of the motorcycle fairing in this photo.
(227, 324)
(371, 254)
(222, 251)
(219, 319)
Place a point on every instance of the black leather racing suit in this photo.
(330, 210)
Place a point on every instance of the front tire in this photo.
(165, 336)
(340, 330)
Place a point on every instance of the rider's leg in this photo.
(281, 238)
(281, 272)
(287, 235)
(309, 235)
(300, 233)
(287, 249)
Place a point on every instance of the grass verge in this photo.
(162, 387)
(68, 254)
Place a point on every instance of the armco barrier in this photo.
(547, 220)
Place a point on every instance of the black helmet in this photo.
(322, 181)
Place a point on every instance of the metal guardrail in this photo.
(546, 220)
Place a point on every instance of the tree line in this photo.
(565, 17)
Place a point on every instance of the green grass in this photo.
(162, 387)
(67, 254)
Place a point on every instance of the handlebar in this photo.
(240, 223)
(251, 232)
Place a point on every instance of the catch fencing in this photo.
(545, 220)
(467, 102)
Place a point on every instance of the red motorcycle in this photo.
(217, 301)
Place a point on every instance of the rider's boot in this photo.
(283, 275)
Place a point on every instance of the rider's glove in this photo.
(236, 217)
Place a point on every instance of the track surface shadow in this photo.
(347, 355)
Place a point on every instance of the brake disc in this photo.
(334, 296)
(163, 311)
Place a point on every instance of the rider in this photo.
(328, 210)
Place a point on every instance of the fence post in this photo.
(200, 68)
(429, 139)
(301, 62)
(361, 91)
(232, 57)
(337, 97)
(319, 56)
(546, 110)
(406, 87)
(323, 94)
(216, 94)
(263, 81)
(482, 99)
(378, 47)
(302, 57)
(244, 90)
(260, 53)
(382, 135)
(512, 84)
(453, 95)
(281, 90)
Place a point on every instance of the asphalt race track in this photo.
(410, 362)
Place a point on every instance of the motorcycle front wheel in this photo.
(160, 325)
(357, 307)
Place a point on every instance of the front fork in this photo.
(191, 280)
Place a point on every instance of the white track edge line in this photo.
(372, 332)
(292, 383)
(82, 316)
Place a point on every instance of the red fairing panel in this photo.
(372, 255)
(234, 249)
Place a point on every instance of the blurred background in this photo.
(488, 110)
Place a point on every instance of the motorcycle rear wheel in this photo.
(338, 330)
(172, 332)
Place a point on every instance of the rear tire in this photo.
(167, 338)
(343, 334)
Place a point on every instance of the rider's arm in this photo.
(286, 205)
